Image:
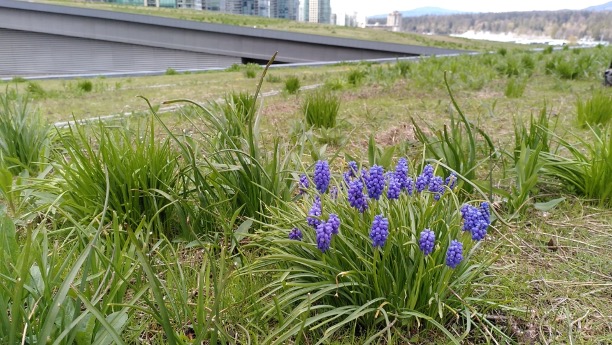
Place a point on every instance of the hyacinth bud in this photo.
(394, 189)
(304, 183)
(401, 173)
(423, 180)
(333, 192)
(334, 221)
(436, 186)
(454, 255)
(356, 197)
(427, 241)
(324, 234)
(375, 182)
(322, 176)
(379, 231)
(451, 180)
(315, 211)
(295, 234)
(353, 168)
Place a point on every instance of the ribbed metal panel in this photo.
(30, 53)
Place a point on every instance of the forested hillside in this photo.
(570, 25)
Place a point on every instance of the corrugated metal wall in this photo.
(29, 53)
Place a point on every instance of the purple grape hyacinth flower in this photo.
(394, 188)
(353, 168)
(324, 234)
(379, 231)
(303, 184)
(422, 181)
(334, 221)
(427, 241)
(322, 176)
(436, 186)
(356, 197)
(315, 211)
(295, 234)
(333, 192)
(401, 172)
(454, 254)
(375, 181)
(409, 186)
(476, 220)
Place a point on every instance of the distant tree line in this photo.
(569, 25)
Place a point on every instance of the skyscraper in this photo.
(317, 11)
(287, 9)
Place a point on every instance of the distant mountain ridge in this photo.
(422, 11)
(603, 7)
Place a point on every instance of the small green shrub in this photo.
(234, 68)
(25, 138)
(35, 89)
(547, 50)
(402, 67)
(502, 51)
(271, 78)
(595, 110)
(333, 84)
(515, 87)
(251, 70)
(142, 175)
(292, 85)
(587, 170)
(321, 109)
(85, 85)
(171, 71)
(356, 77)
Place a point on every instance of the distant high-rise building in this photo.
(287, 9)
(317, 11)
(213, 5)
(394, 20)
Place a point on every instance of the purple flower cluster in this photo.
(325, 230)
(395, 187)
(401, 173)
(324, 235)
(315, 211)
(410, 186)
(375, 181)
(422, 181)
(304, 183)
(356, 197)
(334, 220)
(322, 176)
(476, 220)
(454, 254)
(351, 173)
(427, 241)
(295, 234)
(436, 186)
(379, 231)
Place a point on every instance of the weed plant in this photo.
(515, 87)
(333, 84)
(356, 77)
(595, 110)
(35, 90)
(320, 108)
(238, 109)
(85, 85)
(251, 70)
(143, 175)
(390, 258)
(171, 71)
(292, 85)
(25, 138)
(587, 169)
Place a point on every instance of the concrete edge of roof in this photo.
(225, 28)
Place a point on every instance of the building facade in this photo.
(317, 11)
(286, 9)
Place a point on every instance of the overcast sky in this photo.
(373, 7)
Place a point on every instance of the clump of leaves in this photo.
(321, 109)
(292, 85)
(595, 110)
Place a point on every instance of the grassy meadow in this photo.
(462, 200)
